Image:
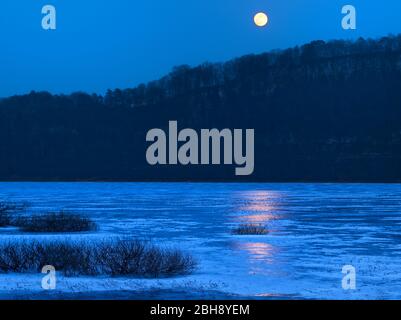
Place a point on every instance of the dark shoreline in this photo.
(197, 181)
(157, 294)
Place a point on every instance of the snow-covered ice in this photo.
(315, 229)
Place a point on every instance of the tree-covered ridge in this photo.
(261, 70)
(322, 111)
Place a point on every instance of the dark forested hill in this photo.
(321, 112)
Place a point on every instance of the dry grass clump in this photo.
(8, 211)
(55, 222)
(251, 229)
(116, 257)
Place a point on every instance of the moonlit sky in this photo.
(101, 44)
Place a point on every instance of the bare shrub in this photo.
(7, 211)
(116, 257)
(127, 257)
(251, 229)
(55, 222)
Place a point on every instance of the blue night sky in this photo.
(101, 44)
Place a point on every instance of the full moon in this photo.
(261, 19)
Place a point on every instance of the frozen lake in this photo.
(314, 230)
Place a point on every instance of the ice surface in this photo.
(315, 229)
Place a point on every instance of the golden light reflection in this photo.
(257, 250)
(259, 195)
(259, 207)
(258, 218)
(261, 256)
